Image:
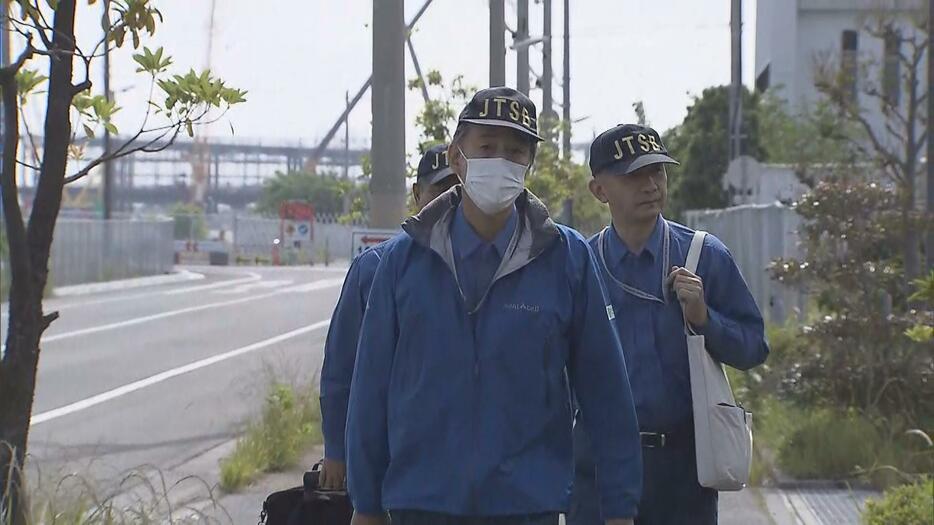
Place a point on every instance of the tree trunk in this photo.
(27, 322)
(17, 369)
(912, 257)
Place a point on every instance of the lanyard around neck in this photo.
(632, 290)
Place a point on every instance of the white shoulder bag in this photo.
(723, 430)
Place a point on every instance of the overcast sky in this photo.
(297, 58)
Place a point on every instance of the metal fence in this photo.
(757, 235)
(254, 240)
(89, 250)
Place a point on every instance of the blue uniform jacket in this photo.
(652, 333)
(340, 349)
(469, 412)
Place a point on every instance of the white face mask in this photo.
(493, 184)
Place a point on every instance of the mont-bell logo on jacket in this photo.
(522, 307)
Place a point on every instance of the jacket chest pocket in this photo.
(527, 345)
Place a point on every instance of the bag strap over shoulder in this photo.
(694, 252)
(697, 244)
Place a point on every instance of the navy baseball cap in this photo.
(502, 106)
(626, 148)
(434, 167)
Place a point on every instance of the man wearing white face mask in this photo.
(460, 407)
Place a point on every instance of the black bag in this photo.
(307, 505)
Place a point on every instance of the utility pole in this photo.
(497, 43)
(319, 150)
(5, 36)
(736, 87)
(387, 187)
(566, 79)
(347, 138)
(521, 44)
(4, 42)
(929, 251)
(547, 73)
(108, 166)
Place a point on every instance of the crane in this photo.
(201, 150)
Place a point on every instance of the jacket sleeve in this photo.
(601, 385)
(340, 352)
(367, 434)
(735, 332)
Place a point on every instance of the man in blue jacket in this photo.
(434, 177)
(483, 315)
(641, 256)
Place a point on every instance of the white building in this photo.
(750, 182)
(792, 35)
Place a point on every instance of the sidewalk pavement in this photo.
(754, 506)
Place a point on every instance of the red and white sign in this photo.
(362, 240)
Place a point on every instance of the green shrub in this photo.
(904, 505)
(289, 423)
(829, 445)
(859, 357)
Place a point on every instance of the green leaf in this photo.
(920, 333)
(924, 288)
(88, 131)
(27, 80)
(110, 127)
(188, 126)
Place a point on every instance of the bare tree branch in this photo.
(123, 151)
(30, 136)
(894, 132)
(83, 86)
(48, 319)
(14, 68)
(40, 29)
(27, 165)
(153, 145)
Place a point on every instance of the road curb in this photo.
(190, 485)
(126, 284)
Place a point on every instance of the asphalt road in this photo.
(147, 379)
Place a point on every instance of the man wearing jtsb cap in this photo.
(434, 177)
(642, 256)
(483, 315)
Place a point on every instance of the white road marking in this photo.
(169, 374)
(53, 303)
(251, 277)
(96, 288)
(316, 285)
(259, 285)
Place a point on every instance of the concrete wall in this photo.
(85, 251)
